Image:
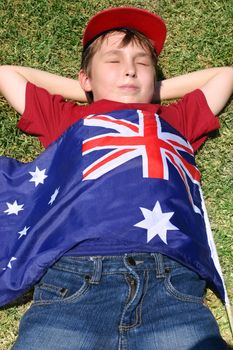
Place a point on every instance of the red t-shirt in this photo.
(48, 116)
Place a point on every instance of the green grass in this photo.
(47, 34)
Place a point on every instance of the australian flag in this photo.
(121, 182)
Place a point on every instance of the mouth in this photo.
(129, 87)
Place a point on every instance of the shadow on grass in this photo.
(24, 299)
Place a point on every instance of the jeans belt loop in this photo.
(159, 265)
(97, 269)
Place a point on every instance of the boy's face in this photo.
(121, 74)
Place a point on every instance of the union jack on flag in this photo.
(145, 139)
(111, 184)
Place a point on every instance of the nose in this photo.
(131, 74)
(130, 70)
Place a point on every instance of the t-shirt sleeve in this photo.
(46, 116)
(192, 116)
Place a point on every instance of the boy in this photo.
(131, 266)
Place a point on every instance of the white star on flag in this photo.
(54, 196)
(38, 176)
(156, 222)
(13, 208)
(23, 232)
(9, 263)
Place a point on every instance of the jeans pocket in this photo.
(58, 286)
(185, 285)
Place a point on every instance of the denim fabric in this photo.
(130, 302)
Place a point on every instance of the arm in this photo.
(216, 84)
(13, 80)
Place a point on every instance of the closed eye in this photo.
(143, 63)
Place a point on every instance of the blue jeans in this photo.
(130, 302)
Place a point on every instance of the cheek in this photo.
(103, 84)
(101, 75)
(149, 82)
(149, 87)
(152, 80)
(107, 81)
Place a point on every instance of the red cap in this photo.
(145, 22)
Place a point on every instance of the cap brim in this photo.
(147, 23)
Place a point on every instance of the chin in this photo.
(130, 99)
